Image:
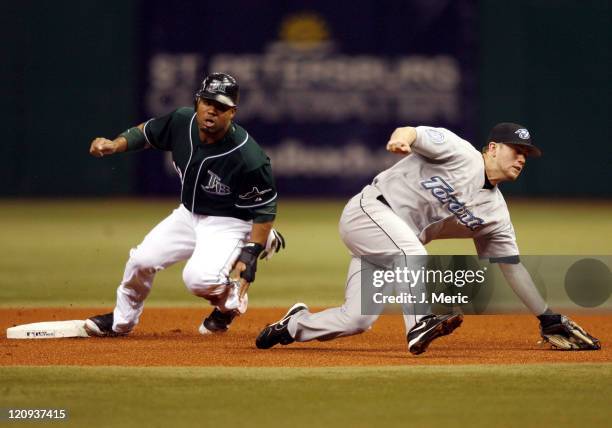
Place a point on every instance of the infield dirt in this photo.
(169, 337)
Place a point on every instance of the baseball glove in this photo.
(568, 336)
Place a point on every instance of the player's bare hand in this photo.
(244, 287)
(399, 147)
(240, 267)
(102, 147)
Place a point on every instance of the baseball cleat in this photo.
(278, 332)
(217, 322)
(101, 326)
(429, 328)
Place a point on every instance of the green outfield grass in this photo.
(474, 396)
(73, 252)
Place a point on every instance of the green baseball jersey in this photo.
(231, 177)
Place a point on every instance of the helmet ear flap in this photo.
(197, 96)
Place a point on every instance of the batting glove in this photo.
(275, 243)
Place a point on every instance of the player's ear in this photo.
(492, 148)
(233, 112)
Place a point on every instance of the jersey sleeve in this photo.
(158, 131)
(436, 143)
(499, 245)
(257, 193)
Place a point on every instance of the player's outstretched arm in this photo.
(131, 140)
(103, 147)
(556, 329)
(519, 279)
(401, 139)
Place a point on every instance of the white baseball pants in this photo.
(368, 228)
(212, 245)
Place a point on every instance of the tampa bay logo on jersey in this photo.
(442, 191)
(215, 186)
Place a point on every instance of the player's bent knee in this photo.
(207, 291)
(357, 323)
(202, 282)
(143, 262)
(360, 324)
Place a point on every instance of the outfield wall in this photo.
(75, 70)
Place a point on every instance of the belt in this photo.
(382, 199)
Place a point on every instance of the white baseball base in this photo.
(48, 330)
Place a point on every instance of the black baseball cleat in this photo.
(217, 322)
(101, 325)
(278, 332)
(429, 328)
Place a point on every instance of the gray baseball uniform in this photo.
(439, 191)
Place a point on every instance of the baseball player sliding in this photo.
(442, 188)
(224, 221)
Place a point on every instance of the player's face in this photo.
(510, 160)
(213, 117)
